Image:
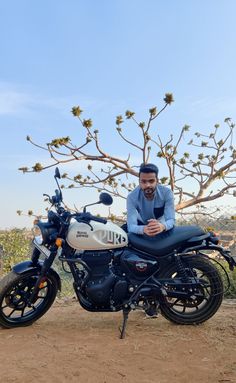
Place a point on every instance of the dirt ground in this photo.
(71, 345)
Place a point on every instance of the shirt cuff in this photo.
(140, 229)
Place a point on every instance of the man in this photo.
(150, 211)
(150, 206)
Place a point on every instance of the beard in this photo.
(149, 192)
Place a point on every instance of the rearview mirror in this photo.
(57, 173)
(106, 199)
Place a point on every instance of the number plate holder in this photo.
(43, 249)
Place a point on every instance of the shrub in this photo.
(15, 247)
(231, 292)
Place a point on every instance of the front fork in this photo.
(43, 272)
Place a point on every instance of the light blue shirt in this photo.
(139, 208)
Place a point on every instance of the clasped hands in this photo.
(153, 228)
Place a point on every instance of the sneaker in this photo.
(151, 312)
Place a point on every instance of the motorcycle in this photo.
(115, 271)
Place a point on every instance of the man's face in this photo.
(148, 183)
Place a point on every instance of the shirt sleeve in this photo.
(132, 217)
(169, 211)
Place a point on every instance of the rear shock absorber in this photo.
(180, 268)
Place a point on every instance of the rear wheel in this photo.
(202, 303)
(15, 291)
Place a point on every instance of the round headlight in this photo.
(45, 233)
(37, 233)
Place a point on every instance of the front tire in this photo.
(198, 310)
(15, 290)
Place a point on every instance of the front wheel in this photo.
(203, 302)
(15, 291)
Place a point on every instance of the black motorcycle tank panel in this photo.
(137, 264)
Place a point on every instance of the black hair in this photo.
(148, 168)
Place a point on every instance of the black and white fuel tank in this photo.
(96, 236)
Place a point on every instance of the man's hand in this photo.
(153, 228)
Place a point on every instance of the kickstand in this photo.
(125, 318)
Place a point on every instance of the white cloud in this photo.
(223, 106)
(18, 99)
(13, 101)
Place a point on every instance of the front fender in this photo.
(23, 267)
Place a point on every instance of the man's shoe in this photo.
(151, 312)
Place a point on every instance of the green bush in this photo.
(231, 292)
(15, 247)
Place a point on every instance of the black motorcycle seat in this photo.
(167, 241)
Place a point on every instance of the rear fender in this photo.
(26, 266)
(226, 254)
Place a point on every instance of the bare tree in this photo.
(211, 172)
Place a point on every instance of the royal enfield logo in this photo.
(111, 237)
(82, 234)
(141, 266)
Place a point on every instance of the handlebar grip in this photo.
(98, 219)
(87, 217)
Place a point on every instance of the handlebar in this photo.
(87, 217)
(98, 219)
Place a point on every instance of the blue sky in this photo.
(107, 56)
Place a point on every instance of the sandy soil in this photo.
(71, 345)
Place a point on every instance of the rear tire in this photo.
(194, 311)
(15, 290)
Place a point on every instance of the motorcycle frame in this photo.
(43, 267)
(152, 281)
